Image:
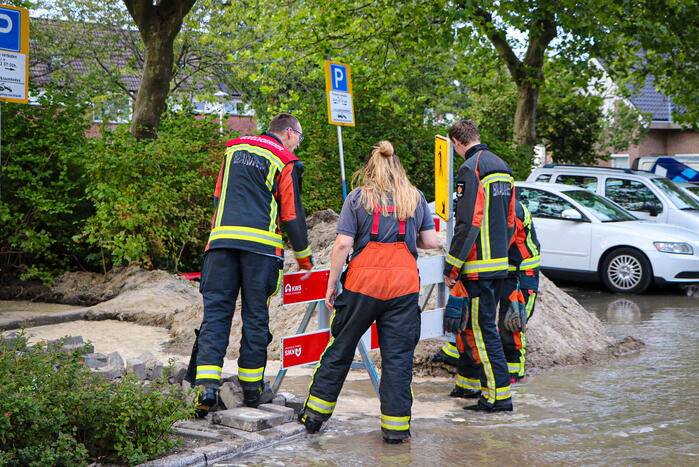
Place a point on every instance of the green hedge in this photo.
(57, 412)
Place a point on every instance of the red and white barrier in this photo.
(307, 348)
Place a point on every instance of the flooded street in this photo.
(640, 409)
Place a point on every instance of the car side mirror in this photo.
(571, 214)
(652, 209)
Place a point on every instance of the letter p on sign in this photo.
(9, 29)
(338, 75)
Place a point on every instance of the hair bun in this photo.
(386, 149)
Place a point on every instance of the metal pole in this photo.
(342, 162)
(369, 365)
(0, 150)
(450, 185)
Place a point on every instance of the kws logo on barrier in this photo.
(302, 287)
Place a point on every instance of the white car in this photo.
(586, 236)
(647, 195)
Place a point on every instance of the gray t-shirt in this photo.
(355, 222)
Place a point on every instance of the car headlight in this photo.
(674, 247)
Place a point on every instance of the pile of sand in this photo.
(561, 332)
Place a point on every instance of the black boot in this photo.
(255, 397)
(464, 393)
(205, 400)
(481, 407)
(312, 425)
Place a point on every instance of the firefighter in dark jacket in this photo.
(478, 256)
(523, 276)
(384, 221)
(259, 184)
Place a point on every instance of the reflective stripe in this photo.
(485, 265)
(305, 253)
(251, 375)
(530, 263)
(513, 367)
(276, 289)
(450, 349)
(313, 375)
(247, 233)
(522, 352)
(454, 261)
(489, 392)
(209, 372)
(319, 405)
(485, 226)
(274, 160)
(468, 383)
(498, 177)
(530, 303)
(395, 423)
(502, 393)
(224, 189)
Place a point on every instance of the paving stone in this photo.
(70, 343)
(95, 360)
(114, 369)
(231, 395)
(296, 403)
(247, 418)
(154, 369)
(178, 373)
(287, 412)
(279, 400)
(136, 367)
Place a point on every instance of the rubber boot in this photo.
(205, 400)
(312, 425)
(256, 397)
(464, 393)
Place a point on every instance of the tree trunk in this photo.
(154, 88)
(158, 23)
(525, 115)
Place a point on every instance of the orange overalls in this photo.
(380, 284)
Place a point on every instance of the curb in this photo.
(241, 443)
(42, 320)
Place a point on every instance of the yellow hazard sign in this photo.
(442, 172)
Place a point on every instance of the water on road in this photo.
(639, 409)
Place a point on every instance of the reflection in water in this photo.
(639, 409)
(623, 310)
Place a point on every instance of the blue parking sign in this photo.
(10, 28)
(338, 77)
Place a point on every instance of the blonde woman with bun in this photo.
(383, 222)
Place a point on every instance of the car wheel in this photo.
(626, 271)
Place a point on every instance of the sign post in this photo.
(14, 59)
(338, 90)
(443, 182)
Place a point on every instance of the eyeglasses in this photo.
(299, 133)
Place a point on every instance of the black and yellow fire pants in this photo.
(381, 284)
(225, 273)
(514, 344)
(482, 365)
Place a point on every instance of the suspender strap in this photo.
(374, 237)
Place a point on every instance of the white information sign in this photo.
(14, 51)
(338, 87)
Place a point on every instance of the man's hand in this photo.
(305, 263)
(330, 296)
(449, 282)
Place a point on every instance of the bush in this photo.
(153, 198)
(57, 412)
(42, 200)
